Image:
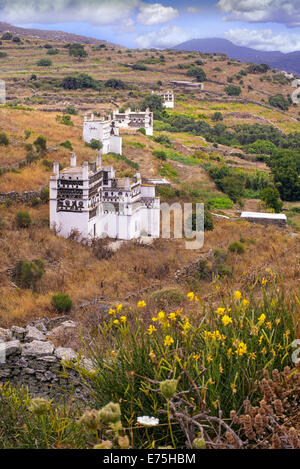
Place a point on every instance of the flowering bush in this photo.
(216, 356)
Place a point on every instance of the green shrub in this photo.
(44, 63)
(61, 302)
(95, 144)
(40, 143)
(4, 139)
(44, 195)
(237, 247)
(67, 144)
(160, 154)
(28, 273)
(23, 219)
(233, 90)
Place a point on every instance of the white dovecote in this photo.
(92, 201)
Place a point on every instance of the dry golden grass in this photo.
(73, 268)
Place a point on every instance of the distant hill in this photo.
(278, 60)
(50, 35)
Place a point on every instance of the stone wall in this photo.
(22, 197)
(28, 357)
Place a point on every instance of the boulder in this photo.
(32, 333)
(5, 335)
(9, 348)
(37, 348)
(18, 332)
(65, 354)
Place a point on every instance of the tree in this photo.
(40, 143)
(217, 116)
(78, 51)
(271, 198)
(262, 147)
(198, 73)
(152, 101)
(233, 90)
(44, 63)
(278, 100)
(115, 83)
(29, 272)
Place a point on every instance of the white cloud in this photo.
(167, 36)
(96, 12)
(192, 10)
(278, 11)
(264, 39)
(155, 13)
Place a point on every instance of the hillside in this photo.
(203, 335)
(48, 34)
(289, 62)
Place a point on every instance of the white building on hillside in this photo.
(134, 120)
(91, 200)
(102, 129)
(168, 98)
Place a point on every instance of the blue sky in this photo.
(261, 24)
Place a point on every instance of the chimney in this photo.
(99, 159)
(73, 160)
(85, 170)
(127, 183)
(56, 168)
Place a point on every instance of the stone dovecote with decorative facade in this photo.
(92, 201)
(134, 120)
(104, 130)
(168, 98)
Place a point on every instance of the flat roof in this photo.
(272, 216)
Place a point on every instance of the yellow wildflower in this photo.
(252, 355)
(237, 295)
(221, 369)
(123, 318)
(229, 352)
(209, 359)
(245, 302)
(269, 325)
(161, 315)
(186, 326)
(264, 281)
(226, 320)
(221, 311)
(168, 341)
(277, 320)
(191, 296)
(260, 339)
(172, 316)
(196, 356)
(116, 322)
(112, 311)
(264, 350)
(141, 304)
(262, 318)
(241, 349)
(152, 355)
(151, 329)
(119, 308)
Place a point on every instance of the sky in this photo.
(260, 24)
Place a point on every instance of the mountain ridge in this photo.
(54, 35)
(289, 62)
